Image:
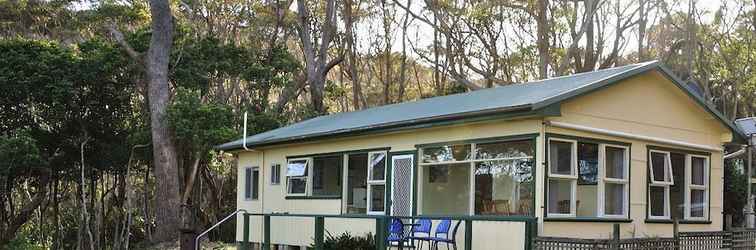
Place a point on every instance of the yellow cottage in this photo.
(571, 155)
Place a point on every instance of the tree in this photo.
(317, 60)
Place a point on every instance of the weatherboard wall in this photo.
(299, 231)
(648, 104)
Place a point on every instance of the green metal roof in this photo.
(531, 98)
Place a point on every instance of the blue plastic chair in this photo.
(443, 235)
(421, 232)
(396, 232)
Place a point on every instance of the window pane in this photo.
(255, 180)
(378, 198)
(297, 185)
(438, 174)
(560, 196)
(503, 187)
(615, 162)
(614, 199)
(697, 204)
(446, 198)
(247, 183)
(378, 165)
(697, 167)
(356, 184)
(504, 149)
(560, 157)
(326, 175)
(677, 191)
(657, 165)
(446, 153)
(588, 164)
(297, 168)
(656, 198)
(275, 174)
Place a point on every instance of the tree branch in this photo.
(118, 36)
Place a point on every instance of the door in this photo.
(402, 171)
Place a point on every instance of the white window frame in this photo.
(572, 177)
(371, 182)
(669, 181)
(307, 178)
(603, 180)
(275, 174)
(669, 178)
(689, 186)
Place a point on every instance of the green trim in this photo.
(580, 139)
(337, 153)
(266, 233)
(514, 218)
(657, 221)
(245, 237)
(509, 113)
(588, 219)
(678, 150)
(507, 138)
(319, 232)
(320, 197)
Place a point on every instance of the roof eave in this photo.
(490, 114)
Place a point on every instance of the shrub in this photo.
(346, 241)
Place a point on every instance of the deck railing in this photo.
(741, 239)
(381, 227)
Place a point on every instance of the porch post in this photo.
(749, 204)
(319, 228)
(266, 232)
(245, 239)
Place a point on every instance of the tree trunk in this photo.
(542, 26)
(642, 30)
(167, 200)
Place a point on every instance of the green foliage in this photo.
(735, 186)
(199, 124)
(20, 154)
(346, 241)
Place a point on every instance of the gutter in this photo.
(515, 111)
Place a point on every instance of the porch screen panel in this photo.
(401, 203)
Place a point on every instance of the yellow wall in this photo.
(652, 106)
(647, 104)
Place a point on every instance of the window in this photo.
(615, 181)
(563, 177)
(326, 175)
(296, 176)
(587, 179)
(315, 176)
(697, 201)
(356, 198)
(251, 178)
(678, 185)
(492, 178)
(275, 174)
(376, 182)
